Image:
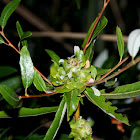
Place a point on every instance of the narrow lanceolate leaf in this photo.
(72, 101)
(51, 133)
(101, 25)
(9, 95)
(21, 33)
(120, 42)
(105, 106)
(1, 40)
(53, 56)
(123, 92)
(26, 66)
(133, 44)
(7, 11)
(26, 35)
(39, 82)
(27, 112)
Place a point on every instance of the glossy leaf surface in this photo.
(27, 112)
(51, 133)
(122, 92)
(39, 82)
(9, 95)
(7, 11)
(120, 42)
(72, 101)
(21, 33)
(26, 66)
(105, 106)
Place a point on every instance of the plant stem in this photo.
(99, 16)
(120, 62)
(77, 113)
(115, 74)
(40, 95)
(11, 45)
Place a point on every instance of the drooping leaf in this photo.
(1, 40)
(72, 101)
(9, 95)
(12, 82)
(51, 133)
(21, 33)
(110, 83)
(26, 35)
(133, 44)
(27, 112)
(100, 26)
(105, 106)
(123, 92)
(120, 42)
(39, 82)
(53, 56)
(7, 70)
(7, 11)
(135, 134)
(26, 66)
(78, 2)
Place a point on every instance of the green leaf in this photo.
(62, 89)
(105, 106)
(7, 70)
(26, 66)
(1, 40)
(123, 92)
(72, 101)
(88, 33)
(101, 71)
(135, 134)
(21, 33)
(78, 2)
(51, 133)
(12, 82)
(120, 42)
(39, 82)
(93, 72)
(27, 112)
(89, 52)
(100, 26)
(9, 95)
(25, 35)
(7, 11)
(53, 56)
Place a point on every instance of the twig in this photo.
(11, 45)
(96, 22)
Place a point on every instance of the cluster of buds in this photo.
(73, 72)
(81, 129)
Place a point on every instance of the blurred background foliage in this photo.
(64, 16)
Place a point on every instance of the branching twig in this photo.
(11, 45)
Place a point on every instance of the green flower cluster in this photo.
(71, 72)
(81, 130)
